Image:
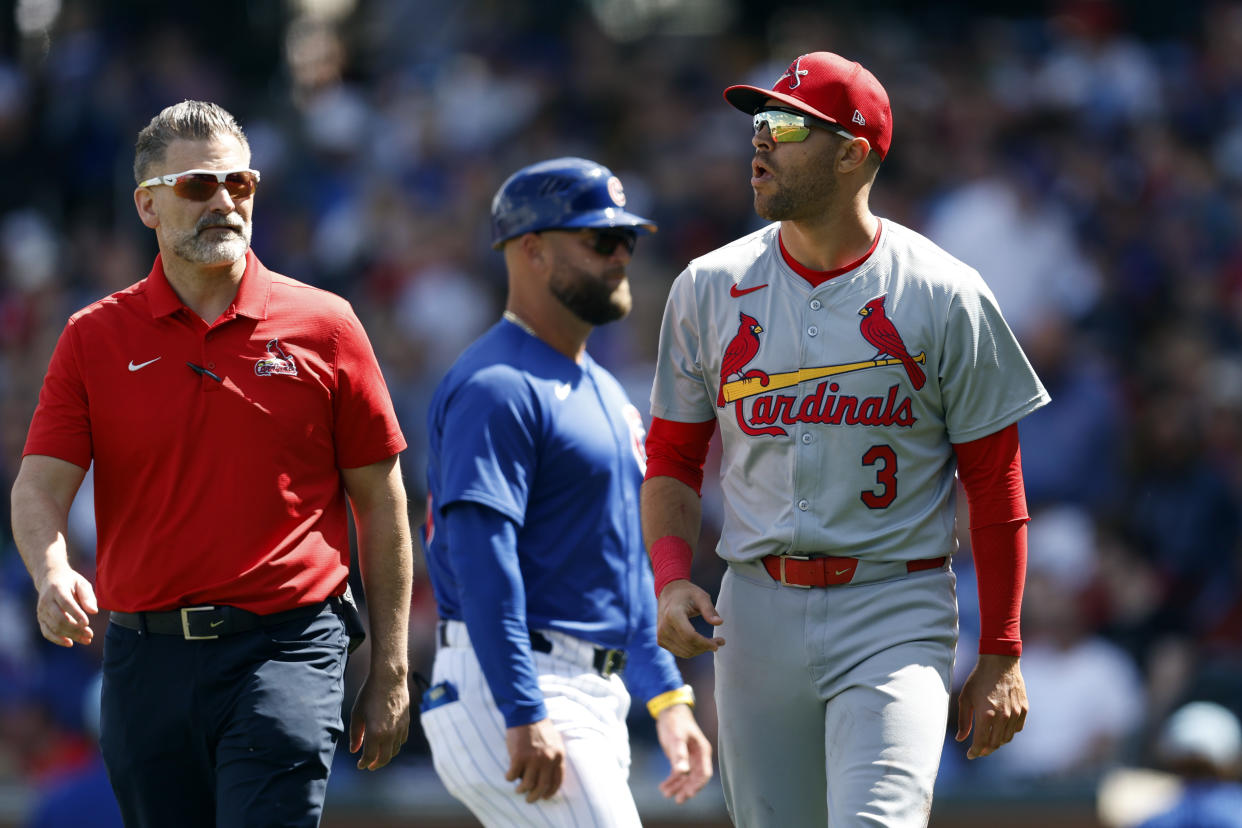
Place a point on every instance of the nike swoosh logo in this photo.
(142, 365)
(215, 624)
(737, 292)
(842, 571)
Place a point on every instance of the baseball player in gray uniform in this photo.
(853, 368)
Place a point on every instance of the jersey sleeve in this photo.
(61, 426)
(986, 381)
(990, 469)
(366, 429)
(482, 546)
(490, 447)
(679, 391)
(679, 450)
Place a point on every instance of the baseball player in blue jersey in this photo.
(853, 368)
(533, 540)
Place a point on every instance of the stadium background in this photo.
(1085, 155)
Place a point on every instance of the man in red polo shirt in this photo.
(230, 412)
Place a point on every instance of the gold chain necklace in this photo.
(517, 320)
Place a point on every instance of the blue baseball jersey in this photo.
(556, 447)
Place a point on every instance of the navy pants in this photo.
(237, 731)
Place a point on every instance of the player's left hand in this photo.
(380, 720)
(679, 602)
(993, 703)
(688, 751)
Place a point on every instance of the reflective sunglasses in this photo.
(201, 185)
(788, 126)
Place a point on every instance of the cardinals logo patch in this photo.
(276, 362)
(825, 404)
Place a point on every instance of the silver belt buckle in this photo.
(796, 558)
(185, 624)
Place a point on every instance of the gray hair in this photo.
(187, 121)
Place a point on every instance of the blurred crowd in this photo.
(1085, 156)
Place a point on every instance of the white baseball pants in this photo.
(467, 739)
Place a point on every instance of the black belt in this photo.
(207, 622)
(606, 661)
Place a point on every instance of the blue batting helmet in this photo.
(562, 193)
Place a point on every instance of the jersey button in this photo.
(807, 439)
(804, 504)
(816, 304)
(812, 331)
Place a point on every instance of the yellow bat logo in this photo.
(743, 388)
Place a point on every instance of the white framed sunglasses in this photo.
(201, 185)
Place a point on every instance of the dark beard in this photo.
(589, 298)
(803, 198)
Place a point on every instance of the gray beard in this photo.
(220, 248)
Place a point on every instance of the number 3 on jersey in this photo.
(885, 461)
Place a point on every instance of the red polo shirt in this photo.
(217, 491)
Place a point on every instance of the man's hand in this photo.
(537, 758)
(42, 493)
(688, 751)
(380, 719)
(679, 602)
(993, 701)
(66, 602)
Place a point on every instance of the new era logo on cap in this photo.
(830, 87)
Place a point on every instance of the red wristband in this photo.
(670, 560)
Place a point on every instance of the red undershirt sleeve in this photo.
(991, 473)
(678, 450)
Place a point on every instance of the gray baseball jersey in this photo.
(838, 404)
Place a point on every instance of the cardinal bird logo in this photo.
(741, 350)
(278, 361)
(879, 330)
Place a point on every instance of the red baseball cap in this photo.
(832, 88)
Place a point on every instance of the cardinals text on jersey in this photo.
(825, 404)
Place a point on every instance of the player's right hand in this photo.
(679, 602)
(66, 602)
(536, 758)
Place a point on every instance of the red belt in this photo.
(804, 571)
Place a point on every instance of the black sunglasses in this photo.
(606, 241)
(603, 240)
